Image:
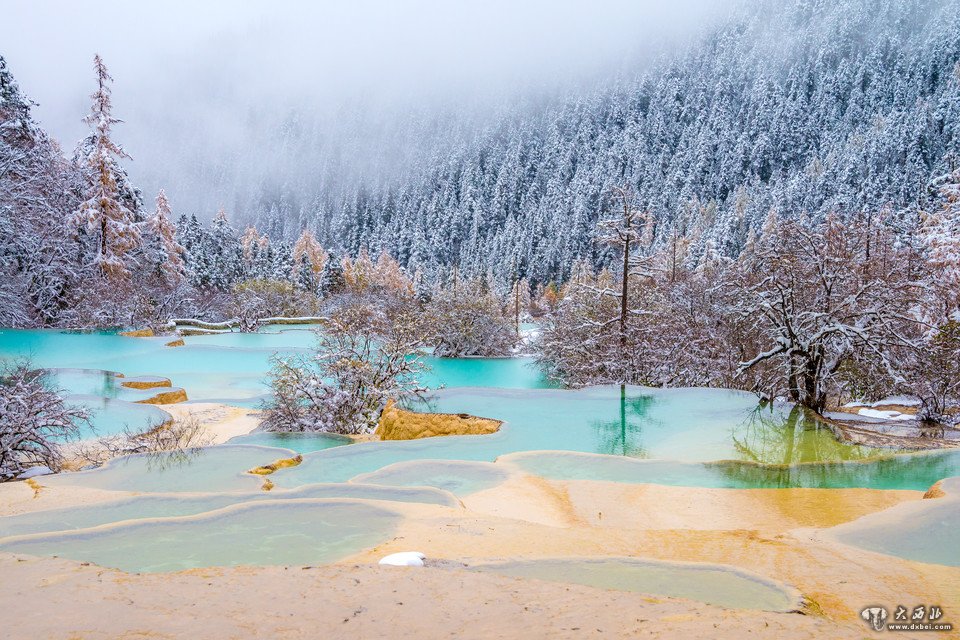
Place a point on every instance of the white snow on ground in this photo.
(903, 401)
(885, 415)
(403, 559)
(33, 472)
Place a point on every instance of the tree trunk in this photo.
(625, 282)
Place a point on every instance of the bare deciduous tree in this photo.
(363, 359)
(34, 422)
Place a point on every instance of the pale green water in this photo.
(459, 478)
(713, 584)
(177, 505)
(109, 416)
(928, 531)
(278, 532)
(206, 469)
(299, 442)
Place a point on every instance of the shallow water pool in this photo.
(299, 442)
(714, 584)
(177, 505)
(457, 477)
(204, 469)
(230, 367)
(906, 471)
(682, 426)
(278, 532)
(109, 416)
(925, 531)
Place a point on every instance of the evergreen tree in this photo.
(166, 254)
(332, 280)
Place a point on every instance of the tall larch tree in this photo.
(167, 253)
(103, 214)
(309, 259)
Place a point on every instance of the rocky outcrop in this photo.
(399, 424)
(140, 333)
(173, 396)
(146, 382)
(936, 491)
(282, 463)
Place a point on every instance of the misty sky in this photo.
(189, 75)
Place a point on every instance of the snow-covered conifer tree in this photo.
(103, 214)
(166, 254)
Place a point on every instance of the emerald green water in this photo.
(915, 471)
(675, 426)
(713, 584)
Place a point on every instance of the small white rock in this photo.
(33, 472)
(404, 559)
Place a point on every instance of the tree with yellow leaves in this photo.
(309, 259)
(103, 215)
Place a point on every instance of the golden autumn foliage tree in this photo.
(309, 259)
(252, 243)
(362, 275)
(103, 213)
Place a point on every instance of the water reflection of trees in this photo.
(917, 472)
(623, 434)
(769, 435)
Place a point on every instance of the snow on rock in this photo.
(885, 415)
(903, 401)
(33, 472)
(403, 559)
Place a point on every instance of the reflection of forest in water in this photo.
(773, 436)
(623, 435)
(911, 471)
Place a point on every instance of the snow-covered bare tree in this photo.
(362, 360)
(34, 421)
(469, 321)
(623, 232)
(816, 298)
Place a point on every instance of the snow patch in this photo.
(403, 559)
(885, 415)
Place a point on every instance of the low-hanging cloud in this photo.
(200, 84)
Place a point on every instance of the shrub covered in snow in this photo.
(34, 422)
(363, 358)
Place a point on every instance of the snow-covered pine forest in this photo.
(772, 206)
(802, 106)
